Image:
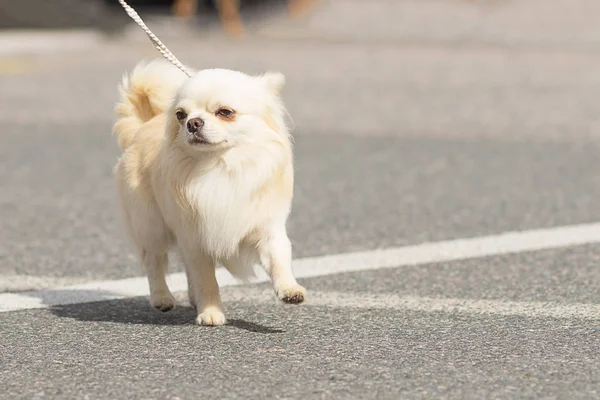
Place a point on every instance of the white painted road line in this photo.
(12, 283)
(451, 250)
(535, 309)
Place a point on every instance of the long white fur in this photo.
(224, 203)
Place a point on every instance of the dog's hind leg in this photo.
(153, 244)
(153, 253)
(156, 268)
(151, 237)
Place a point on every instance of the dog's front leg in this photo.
(276, 258)
(200, 270)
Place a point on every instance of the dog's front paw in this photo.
(162, 301)
(211, 317)
(293, 294)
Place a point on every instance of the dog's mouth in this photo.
(198, 141)
(201, 141)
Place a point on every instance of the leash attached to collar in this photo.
(155, 41)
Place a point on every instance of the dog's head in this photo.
(218, 109)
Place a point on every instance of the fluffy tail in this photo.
(145, 93)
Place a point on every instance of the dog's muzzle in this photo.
(194, 127)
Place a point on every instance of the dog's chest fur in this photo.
(220, 207)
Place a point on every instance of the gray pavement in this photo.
(414, 121)
(125, 350)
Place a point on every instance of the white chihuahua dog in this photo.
(207, 168)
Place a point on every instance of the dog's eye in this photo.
(225, 113)
(181, 115)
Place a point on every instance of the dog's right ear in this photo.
(274, 81)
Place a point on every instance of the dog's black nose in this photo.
(195, 124)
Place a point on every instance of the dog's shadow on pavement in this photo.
(137, 311)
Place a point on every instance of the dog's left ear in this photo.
(274, 81)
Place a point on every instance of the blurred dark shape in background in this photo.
(59, 14)
(108, 16)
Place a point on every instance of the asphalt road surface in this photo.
(446, 219)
